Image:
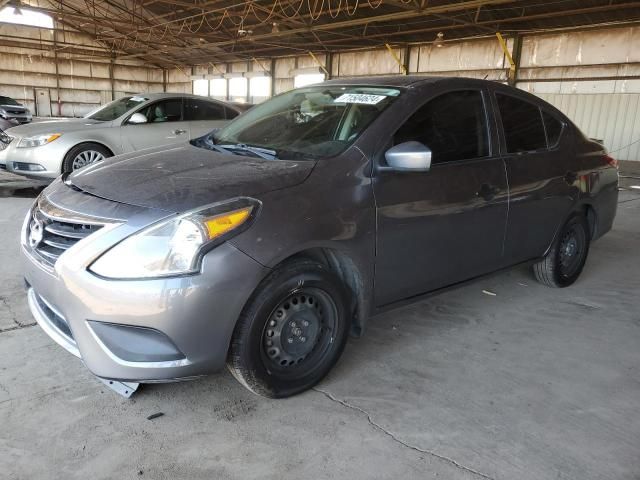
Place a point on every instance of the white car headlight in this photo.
(174, 246)
(38, 140)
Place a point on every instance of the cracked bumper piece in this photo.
(143, 330)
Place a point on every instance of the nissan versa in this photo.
(263, 244)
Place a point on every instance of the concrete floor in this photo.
(531, 383)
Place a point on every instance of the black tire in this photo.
(268, 353)
(68, 163)
(563, 264)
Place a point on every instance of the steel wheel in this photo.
(301, 328)
(571, 251)
(292, 330)
(564, 261)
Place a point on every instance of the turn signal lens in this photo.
(221, 224)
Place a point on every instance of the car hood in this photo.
(15, 108)
(182, 178)
(56, 126)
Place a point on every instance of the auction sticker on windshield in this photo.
(362, 98)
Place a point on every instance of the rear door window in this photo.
(202, 110)
(522, 124)
(453, 126)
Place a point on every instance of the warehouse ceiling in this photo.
(180, 32)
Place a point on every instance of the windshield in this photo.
(312, 122)
(115, 109)
(8, 101)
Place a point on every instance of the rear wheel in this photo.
(83, 155)
(292, 331)
(563, 264)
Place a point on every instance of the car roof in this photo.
(385, 80)
(408, 81)
(160, 95)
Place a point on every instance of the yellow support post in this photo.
(396, 58)
(507, 53)
(319, 64)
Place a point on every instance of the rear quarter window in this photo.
(230, 113)
(554, 128)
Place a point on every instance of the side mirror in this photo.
(409, 156)
(137, 118)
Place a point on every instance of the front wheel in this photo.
(292, 331)
(563, 264)
(83, 155)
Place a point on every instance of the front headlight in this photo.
(3, 112)
(38, 140)
(174, 246)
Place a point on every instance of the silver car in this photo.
(12, 110)
(129, 124)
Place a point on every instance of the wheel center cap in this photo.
(300, 332)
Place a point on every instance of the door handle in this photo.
(487, 192)
(179, 131)
(571, 177)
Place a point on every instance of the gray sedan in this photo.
(132, 123)
(264, 244)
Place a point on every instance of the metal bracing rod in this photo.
(384, 35)
(368, 20)
(412, 6)
(239, 50)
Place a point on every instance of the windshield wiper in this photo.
(259, 151)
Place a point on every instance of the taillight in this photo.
(611, 161)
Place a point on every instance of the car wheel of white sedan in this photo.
(83, 155)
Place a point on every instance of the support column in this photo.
(112, 80)
(517, 56)
(273, 77)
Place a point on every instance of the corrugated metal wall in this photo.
(614, 118)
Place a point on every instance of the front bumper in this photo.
(19, 117)
(47, 159)
(196, 314)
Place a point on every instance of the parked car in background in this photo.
(129, 124)
(7, 124)
(10, 109)
(262, 245)
(5, 139)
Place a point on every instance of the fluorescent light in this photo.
(22, 16)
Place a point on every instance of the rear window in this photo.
(522, 124)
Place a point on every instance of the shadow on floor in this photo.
(20, 187)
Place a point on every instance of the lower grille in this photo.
(54, 318)
(49, 237)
